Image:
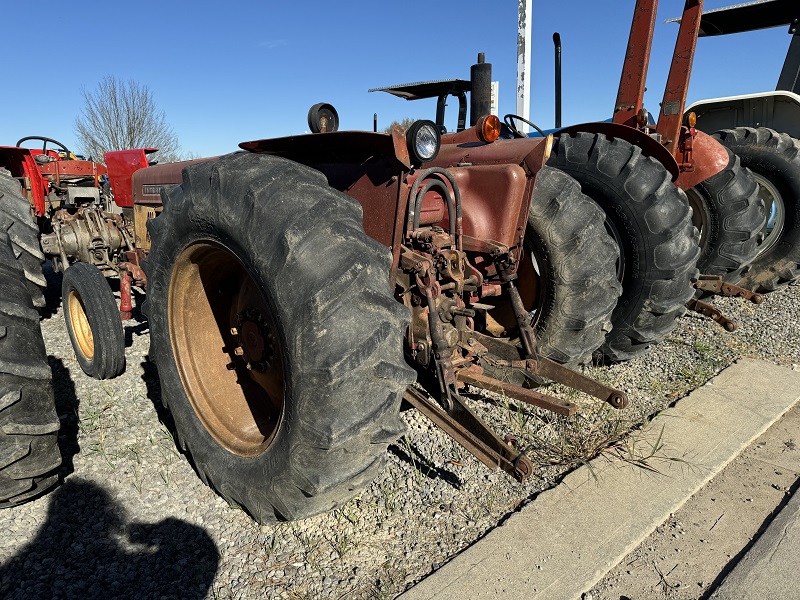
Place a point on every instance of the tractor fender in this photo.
(348, 147)
(778, 110)
(708, 158)
(368, 166)
(648, 145)
(20, 164)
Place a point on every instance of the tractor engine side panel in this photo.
(492, 199)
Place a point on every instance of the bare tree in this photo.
(405, 124)
(120, 115)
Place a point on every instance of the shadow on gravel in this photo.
(67, 408)
(89, 549)
(52, 293)
(419, 462)
(137, 325)
(153, 386)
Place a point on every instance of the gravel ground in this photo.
(132, 518)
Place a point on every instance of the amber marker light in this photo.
(642, 117)
(488, 128)
(692, 119)
(548, 148)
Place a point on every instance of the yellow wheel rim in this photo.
(226, 348)
(79, 322)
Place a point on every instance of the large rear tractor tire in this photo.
(774, 159)
(29, 454)
(729, 214)
(277, 339)
(93, 321)
(650, 220)
(574, 260)
(16, 219)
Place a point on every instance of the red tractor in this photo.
(291, 287)
(617, 164)
(764, 130)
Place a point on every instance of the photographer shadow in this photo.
(87, 548)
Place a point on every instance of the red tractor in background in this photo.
(85, 216)
(723, 195)
(763, 128)
(617, 164)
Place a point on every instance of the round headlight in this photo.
(424, 141)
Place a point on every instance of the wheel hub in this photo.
(226, 348)
(254, 340)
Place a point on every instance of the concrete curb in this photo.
(561, 544)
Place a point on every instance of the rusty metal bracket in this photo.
(561, 374)
(714, 284)
(545, 367)
(708, 310)
(556, 405)
(466, 428)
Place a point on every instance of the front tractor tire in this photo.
(650, 220)
(29, 453)
(774, 159)
(93, 321)
(276, 336)
(575, 259)
(728, 213)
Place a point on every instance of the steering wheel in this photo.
(45, 141)
(509, 121)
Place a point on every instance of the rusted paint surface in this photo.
(700, 157)
(527, 152)
(672, 105)
(341, 146)
(148, 183)
(637, 58)
(712, 312)
(466, 428)
(125, 301)
(492, 197)
(532, 397)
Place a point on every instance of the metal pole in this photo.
(523, 62)
(557, 47)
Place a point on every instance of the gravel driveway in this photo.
(133, 520)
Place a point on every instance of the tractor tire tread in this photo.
(653, 219)
(329, 285)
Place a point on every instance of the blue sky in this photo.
(235, 71)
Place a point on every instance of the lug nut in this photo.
(234, 331)
(238, 351)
